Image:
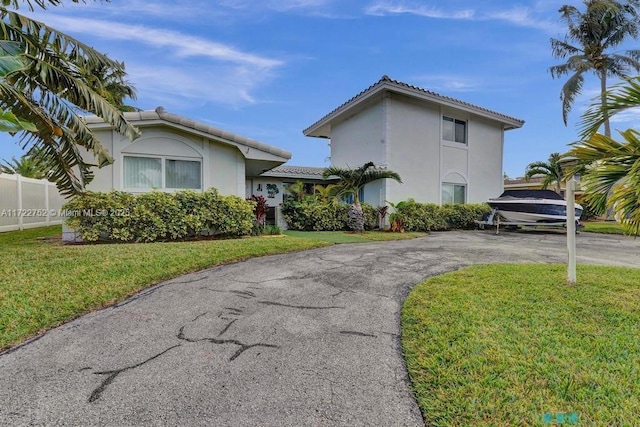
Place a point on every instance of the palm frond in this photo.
(612, 177)
(619, 98)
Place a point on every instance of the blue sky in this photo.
(268, 69)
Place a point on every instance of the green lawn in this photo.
(607, 227)
(44, 283)
(513, 345)
(346, 237)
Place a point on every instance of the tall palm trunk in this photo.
(356, 216)
(603, 100)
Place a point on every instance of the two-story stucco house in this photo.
(445, 150)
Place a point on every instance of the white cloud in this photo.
(183, 45)
(448, 83)
(383, 8)
(520, 16)
(630, 116)
(177, 86)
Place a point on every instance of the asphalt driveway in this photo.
(310, 338)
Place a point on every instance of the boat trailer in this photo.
(494, 220)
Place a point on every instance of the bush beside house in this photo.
(158, 216)
(426, 217)
(313, 215)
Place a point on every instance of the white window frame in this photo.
(456, 121)
(453, 184)
(163, 172)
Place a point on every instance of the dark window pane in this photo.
(461, 131)
(183, 174)
(448, 129)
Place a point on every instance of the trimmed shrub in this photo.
(431, 217)
(312, 215)
(158, 216)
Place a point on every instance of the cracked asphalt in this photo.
(309, 338)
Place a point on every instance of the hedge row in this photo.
(432, 217)
(318, 216)
(148, 217)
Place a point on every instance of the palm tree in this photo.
(611, 178)
(27, 166)
(50, 89)
(351, 181)
(550, 170)
(620, 97)
(587, 47)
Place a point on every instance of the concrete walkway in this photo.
(310, 338)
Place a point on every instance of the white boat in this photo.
(532, 206)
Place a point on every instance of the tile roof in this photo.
(299, 172)
(521, 180)
(391, 84)
(159, 114)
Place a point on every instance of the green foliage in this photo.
(312, 215)
(550, 170)
(431, 217)
(46, 79)
(272, 230)
(158, 216)
(351, 181)
(590, 46)
(611, 179)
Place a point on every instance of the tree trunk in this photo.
(356, 218)
(603, 102)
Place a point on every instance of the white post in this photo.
(571, 231)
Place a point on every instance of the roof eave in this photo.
(322, 128)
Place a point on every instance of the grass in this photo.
(338, 237)
(44, 283)
(513, 345)
(607, 227)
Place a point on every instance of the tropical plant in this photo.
(46, 84)
(396, 219)
(260, 209)
(620, 97)
(296, 190)
(550, 170)
(588, 47)
(611, 177)
(27, 166)
(111, 84)
(326, 193)
(351, 181)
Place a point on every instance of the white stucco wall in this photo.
(486, 151)
(359, 139)
(405, 135)
(258, 187)
(222, 166)
(414, 150)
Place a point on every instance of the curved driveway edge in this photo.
(309, 338)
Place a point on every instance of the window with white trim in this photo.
(161, 173)
(454, 194)
(454, 130)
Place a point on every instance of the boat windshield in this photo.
(532, 194)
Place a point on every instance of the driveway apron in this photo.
(309, 338)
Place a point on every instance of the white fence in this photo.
(28, 203)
